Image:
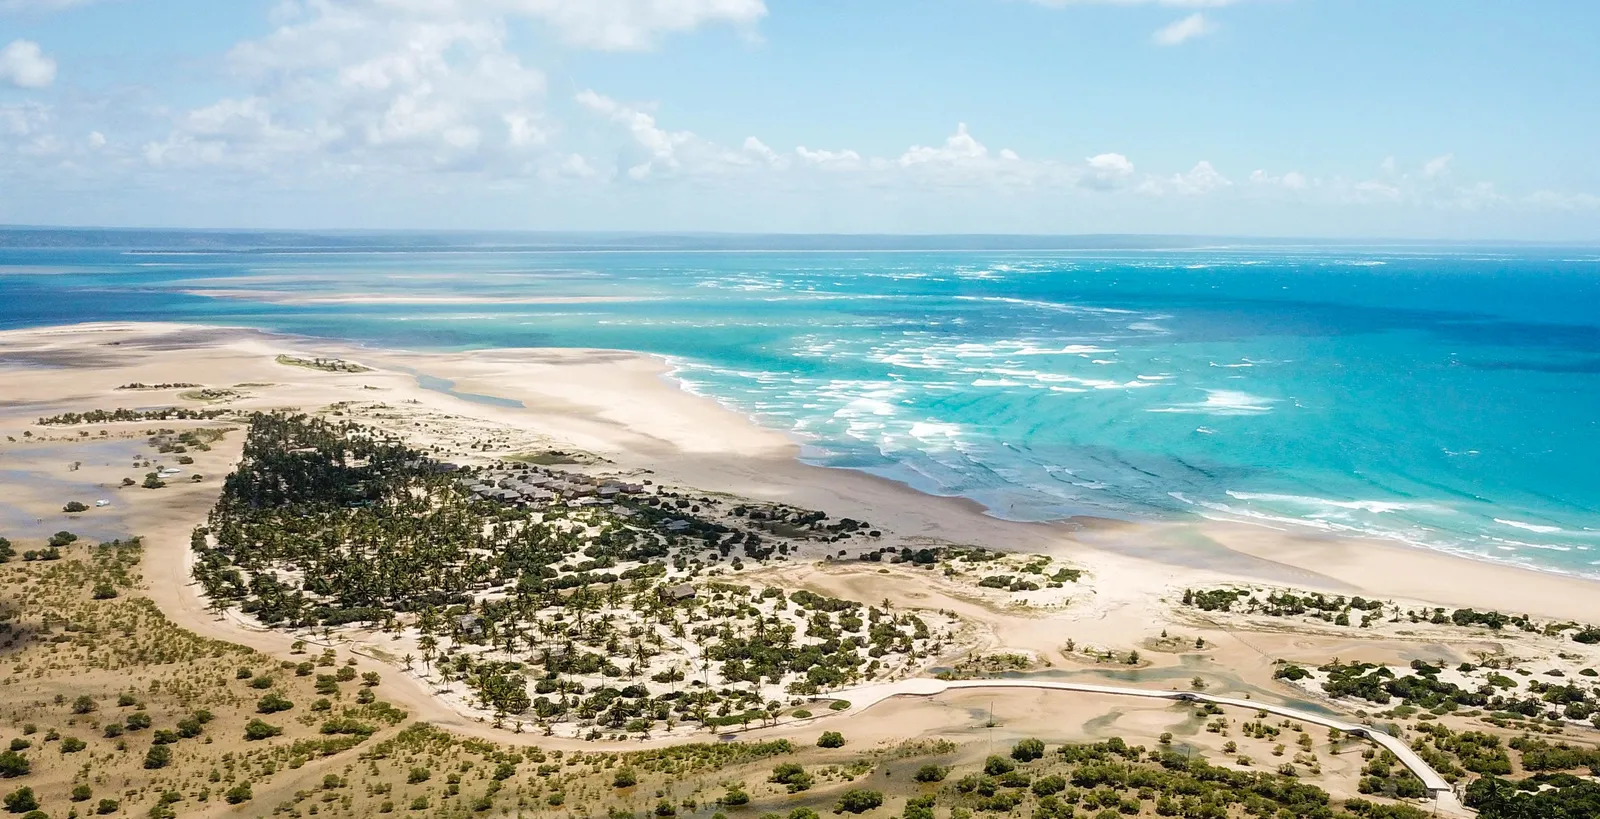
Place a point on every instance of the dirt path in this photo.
(865, 697)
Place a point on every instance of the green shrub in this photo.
(159, 756)
(21, 800)
(1027, 750)
(791, 776)
(13, 764)
(858, 800)
(256, 729)
(238, 793)
(272, 704)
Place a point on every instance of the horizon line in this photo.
(1003, 241)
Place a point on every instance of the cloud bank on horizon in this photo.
(1059, 116)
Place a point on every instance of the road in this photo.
(1443, 795)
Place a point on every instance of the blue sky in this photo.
(1469, 120)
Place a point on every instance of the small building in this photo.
(682, 591)
(470, 625)
(678, 525)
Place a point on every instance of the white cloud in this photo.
(1186, 4)
(1182, 31)
(763, 152)
(829, 159)
(1106, 171)
(659, 153)
(24, 65)
(661, 144)
(628, 25)
(1201, 179)
(384, 86)
(607, 25)
(1292, 180)
(1437, 167)
(959, 147)
(339, 88)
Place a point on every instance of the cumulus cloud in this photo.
(24, 65)
(354, 86)
(627, 25)
(661, 145)
(1203, 178)
(1200, 179)
(829, 159)
(959, 147)
(658, 153)
(1291, 180)
(963, 162)
(1186, 4)
(348, 91)
(1184, 30)
(1106, 171)
(609, 25)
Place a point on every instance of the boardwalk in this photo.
(1443, 795)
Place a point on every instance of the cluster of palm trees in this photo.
(125, 414)
(327, 522)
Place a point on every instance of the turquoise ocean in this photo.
(1442, 397)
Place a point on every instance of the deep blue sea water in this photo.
(1441, 397)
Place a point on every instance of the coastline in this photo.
(625, 407)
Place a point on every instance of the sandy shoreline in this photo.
(623, 407)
